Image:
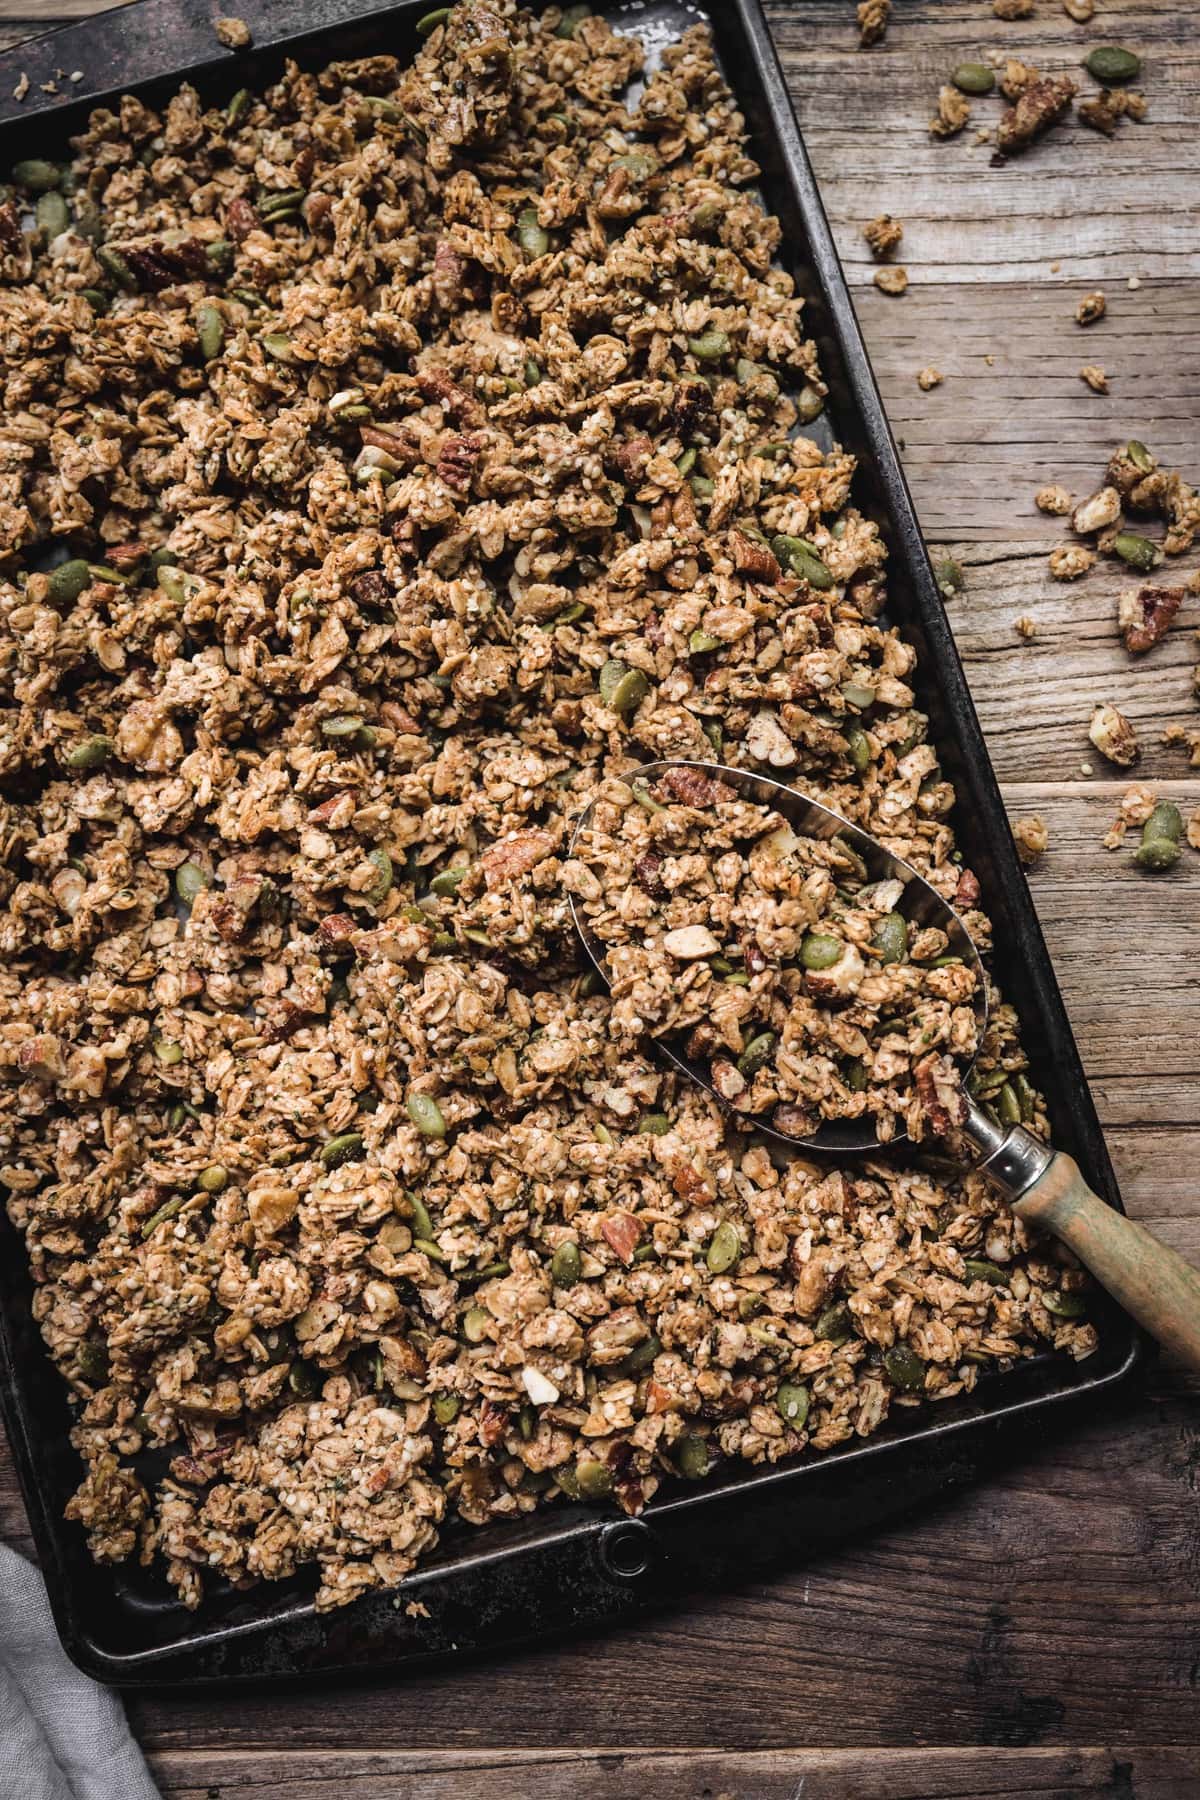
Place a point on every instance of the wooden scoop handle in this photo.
(1153, 1283)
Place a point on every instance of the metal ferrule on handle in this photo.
(1012, 1157)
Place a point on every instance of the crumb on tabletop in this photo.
(929, 378)
(1144, 616)
(1091, 308)
(1113, 735)
(872, 21)
(1178, 735)
(1032, 837)
(1104, 111)
(22, 87)
(1017, 76)
(953, 112)
(233, 33)
(1097, 512)
(1037, 107)
(1069, 561)
(882, 235)
(1012, 9)
(1025, 627)
(1193, 829)
(1094, 376)
(1054, 500)
(893, 280)
(1080, 11)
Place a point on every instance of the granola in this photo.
(377, 418)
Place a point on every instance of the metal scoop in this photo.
(1042, 1185)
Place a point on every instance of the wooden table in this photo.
(1039, 1634)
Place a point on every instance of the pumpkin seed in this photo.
(37, 176)
(219, 252)
(654, 1125)
(1008, 1106)
(445, 884)
(979, 1269)
(1109, 63)
(809, 404)
(53, 214)
(89, 753)
(239, 106)
(96, 300)
(304, 1380)
(1026, 1096)
(476, 1321)
(566, 1480)
(756, 1054)
(700, 642)
(858, 748)
(834, 1324)
(724, 1248)
(65, 583)
(115, 266)
(341, 725)
(1156, 855)
(382, 885)
(430, 21)
(92, 1358)
(702, 487)
(974, 78)
(446, 1408)
(1139, 552)
(214, 1179)
(691, 1458)
(278, 345)
(1166, 821)
(891, 938)
(641, 164)
(1139, 456)
(572, 19)
(856, 1076)
(621, 688)
(163, 1214)
(1064, 1306)
(210, 328)
(341, 1149)
(710, 346)
(595, 1478)
(280, 200)
(426, 1115)
(533, 240)
(857, 693)
(566, 1265)
(792, 1403)
(819, 951)
(190, 882)
(905, 1368)
(686, 462)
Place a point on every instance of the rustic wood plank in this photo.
(1137, 1772)
(865, 116)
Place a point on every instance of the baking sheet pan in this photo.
(569, 1568)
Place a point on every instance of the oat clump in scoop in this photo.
(771, 958)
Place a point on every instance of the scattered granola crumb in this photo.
(48, 87)
(1025, 627)
(1032, 836)
(1137, 803)
(22, 87)
(1193, 830)
(1079, 10)
(954, 110)
(982, 136)
(1085, 768)
(1178, 735)
(1105, 110)
(76, 75)
(1053, 500)
(990, 361)
(417, 1609)
(891, 281)
(1095, 378)
(1144, 615)
(1055, 267)
(1113, 735)
(1091, 307)
(1069, 561)
(1097, 512)
(930, 378)
(1035, 110)
(883, 234)
(1133, 284)
(1012, 9)
(1017, 77)
(872, 21)
(233, 33)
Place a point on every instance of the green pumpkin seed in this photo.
(1156, 854)
(190, 882)
(1064, 1306)
(89, 753)
(858, 749)
(950, 577)
(341, 725)
(702, 487)
(691, 1458)
(686, 462)
(1026, 1097)
(210, 328)
(65, 583)
(426, 1115)
(430, 21)
(428, 1248)
(1109, 63)
(701, 642)
(792, 1403)
(724, 1248)
(533, 239)
(239, 106)
(219, 253)
(341, 1149)
(53, 214)
(37, 176)
(422, 1224)
(612, 672)
(96, 300)
(280, 200)
(905, 1368)
(974, 78)
(891, 938)
(654, 1125)
(739, 978)
(446, 1408)
(476, 1323)
(305, 1380)
(710, 346)
(572, 19)
(757, 1054)
(445, 885)
(115, 266)
(809, 404)
(278, 345)
(629, 692)
(595, 1479)
(214, 1179)
(811, 569)
(819, 951)
(856, 1076)
(566, 1265)
(92, 1358)
(381, 887)
(834, 1324)
(1008, 1107)
(857, 693)
(163, 1214)
(1139, 456)
(641, 164)
(1166, 821)
(979, 1269)
(1139, 552)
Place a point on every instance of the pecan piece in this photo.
(240, 219)
(457, 458)
(371, 588)
(11, 235)
(645, 872)
(622, 1233)
(967, 892)
(1113, 735)
(1034, 111)
(631, 457)
(939, 1093)
(752, 558)
(514, 856)
(437, 385)
(1145, 614)
(493, 1422)
(335, 928)
(693, 788)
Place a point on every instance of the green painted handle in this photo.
(1153, 1283)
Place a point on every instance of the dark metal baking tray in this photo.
(570, 1568)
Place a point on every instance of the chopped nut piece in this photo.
(1052, 500)
(1069, 561)
(1035, 110)
(1091, 307)
(1113, 735)
(1099, 510)
(1193, 830)
(1012, 9)
(930, 378)
(883, 234)
(1025, 627)
(954, 109)
(1032, 836)
(1079, 10)
(1145, 614)
(233, 33)
(1095, 378)
(1177, 734)
(891, 281)
(872, 21)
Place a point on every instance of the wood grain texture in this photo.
(1039, 1635)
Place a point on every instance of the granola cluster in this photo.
(795, 979)
(385, 461)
